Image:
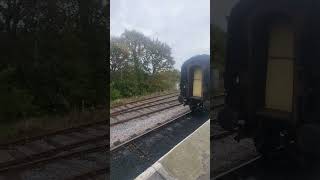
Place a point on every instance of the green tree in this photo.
(158, 57)
(52, 55)
(119, 54)
(139, 65)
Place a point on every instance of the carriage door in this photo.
(197, 82)
(279, 80)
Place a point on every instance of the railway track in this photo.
(22, 158)
(240, 171)
(143, 104)
(71, 148)
(149, 106)
(145, 156)
(143, 108)
(218, 133)
(142, 100)
(232, 160)
(162, 125)
(219, 105)
(63, 131)
(146, 112)
(137, 154)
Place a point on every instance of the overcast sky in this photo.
(183, 24)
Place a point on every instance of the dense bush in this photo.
(52, 57)
(139, 65)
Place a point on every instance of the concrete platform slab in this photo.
(190, 159)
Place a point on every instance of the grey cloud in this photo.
(183, 24)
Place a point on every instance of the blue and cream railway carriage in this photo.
(194, 84)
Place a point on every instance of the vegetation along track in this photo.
(54, 151)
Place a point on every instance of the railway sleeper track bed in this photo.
(116, 143)
(23, 157)
(130, 159)
(142, 102)
(226, 153)
(143, 112)
(149, 130)
(138, 109)
(19, 157)
(67, 166)
(281, 166)
(217, 132)
(99, 125)
(122, 132)
(240, 171)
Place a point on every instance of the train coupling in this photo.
(181, 99)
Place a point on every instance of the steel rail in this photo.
(142, 115)
(61, 131)
(53, 158)
(132, 102)
(51, 152)
(233, 172)
(149, 131)
(143, 106)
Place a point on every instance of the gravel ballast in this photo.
(122, 132)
